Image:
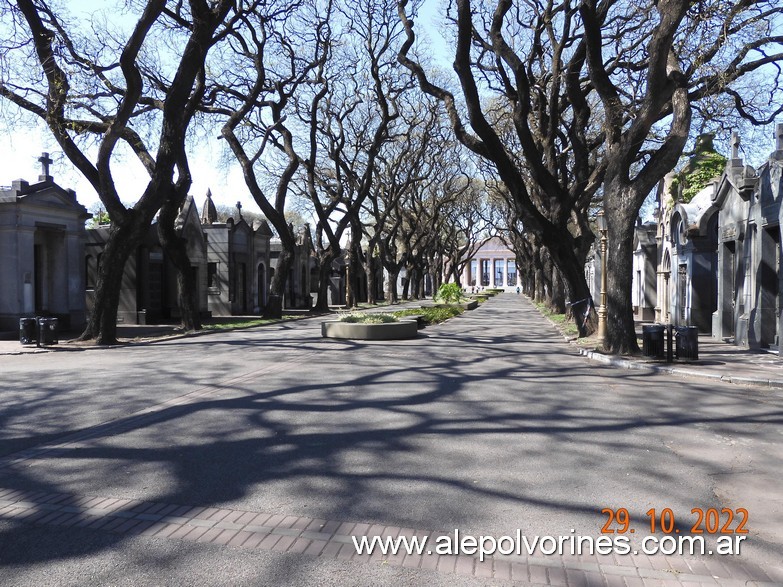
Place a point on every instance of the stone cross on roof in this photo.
(735, 145)
(239, 208)
(45, 161)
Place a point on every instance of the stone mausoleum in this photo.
(42, 240)
(493, 265)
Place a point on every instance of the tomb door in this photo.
(50, 271)
(682, 292)
(197, 292)
(261, 286)
(39, 261)
(156, 288)
(242, 288)
(291, 289)
(770, 299)
(666, 301)
(730, 288)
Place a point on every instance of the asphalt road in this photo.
(488, 423)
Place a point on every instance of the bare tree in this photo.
(93, 86)
(535, 128)
(667, 57)
(278, 53)
(350, 120)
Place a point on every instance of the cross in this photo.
(735, 144)
(45, 161)
(239, 208)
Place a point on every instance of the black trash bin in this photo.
(687, 342)
(47, 330)
(654, 341)
(27, 334)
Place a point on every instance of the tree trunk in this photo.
(187, 288)
(558, 302)
(274, 308)
(546, 274)
(620, 331)
(539, 283)
(350, 260)
(324, 272)
(369, 270)
(122, 243)
(435, 274)
(390, 285)
(563, 255)
(457, 274)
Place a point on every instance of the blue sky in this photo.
(22, 147)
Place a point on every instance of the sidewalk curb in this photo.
(673, 370)
(631, 364)
(63, 346)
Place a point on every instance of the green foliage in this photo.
(450, 293)
(99, 217)
(432, 315)
(703, 168)
(362, 318)
(565, 324)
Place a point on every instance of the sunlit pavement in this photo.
(252, 457)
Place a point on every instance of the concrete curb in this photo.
(631, 364)
(674, 370)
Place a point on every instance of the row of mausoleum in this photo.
(713, 260)
(49, 261)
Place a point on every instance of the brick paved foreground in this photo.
(331, 539)
(110, 473)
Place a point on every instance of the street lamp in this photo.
(601, 221)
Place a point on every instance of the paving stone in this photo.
(253, 540)
(536, 573)
(446, 564)
(239, 538)
(315, 548)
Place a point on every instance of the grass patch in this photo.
(432, 315)
(564, 324)
(248, 323)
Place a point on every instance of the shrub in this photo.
(432, 315)
(450, 293)
(361, 318)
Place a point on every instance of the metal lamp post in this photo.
(601, 221)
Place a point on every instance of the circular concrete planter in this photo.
(356, 331)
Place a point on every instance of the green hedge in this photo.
(432, 315)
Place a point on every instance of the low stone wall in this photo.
(469, 305)
(357, 331)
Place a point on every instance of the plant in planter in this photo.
(361, 326)
(449, 293)
(362, 318)
(432, 315)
